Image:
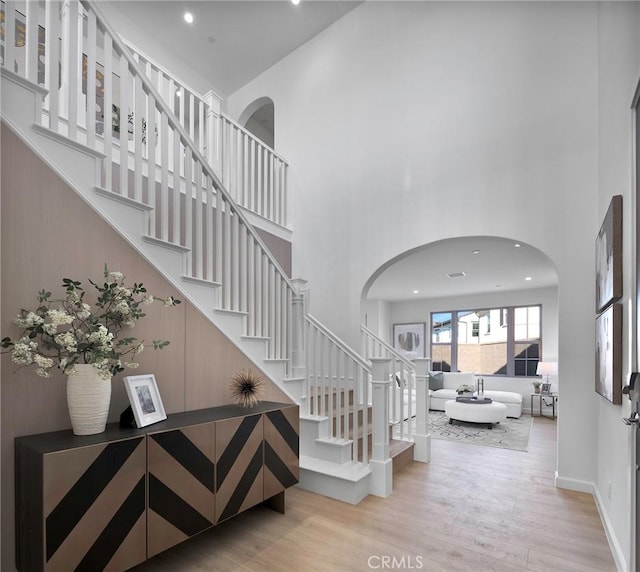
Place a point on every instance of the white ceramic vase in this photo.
(88, 399)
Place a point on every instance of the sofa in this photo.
(442, 388)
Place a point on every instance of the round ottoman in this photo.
(488, 413)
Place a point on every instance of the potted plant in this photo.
(84, 341)
(465, 388)
(536, 386)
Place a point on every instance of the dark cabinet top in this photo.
(60, 440)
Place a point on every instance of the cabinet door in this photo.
(94, 506)
(181, 485)
(239, 460)
(281, 450)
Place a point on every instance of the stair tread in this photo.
(349, 471)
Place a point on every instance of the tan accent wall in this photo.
(48, 233)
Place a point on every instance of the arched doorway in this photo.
(258, 119)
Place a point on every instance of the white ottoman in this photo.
(488, 413)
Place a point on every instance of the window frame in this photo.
(511, 341)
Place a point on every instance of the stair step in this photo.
(347, 482)
(122, 199)
(67, 141)
(200, 281)
(165, 244)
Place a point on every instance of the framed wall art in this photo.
(409, 340)
(609, 354)
(609, 256)
(144, 397)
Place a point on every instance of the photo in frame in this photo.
(609, 354)
(409, 340)
(609, 256)
(145, 400)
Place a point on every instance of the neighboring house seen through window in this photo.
(464, 340)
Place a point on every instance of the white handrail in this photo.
(254, 138)
(184, 137)
(371, 341)
(337, 387)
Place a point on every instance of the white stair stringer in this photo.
(78, 168)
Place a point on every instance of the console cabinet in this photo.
(110, 501)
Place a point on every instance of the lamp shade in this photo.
(547, 368)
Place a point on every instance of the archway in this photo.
(480, 287)
(259, 119)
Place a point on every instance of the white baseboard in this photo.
(618, 556)
(590, 487)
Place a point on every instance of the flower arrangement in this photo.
(536, 386)
(465, 388)
(246, 387)
(67, 331)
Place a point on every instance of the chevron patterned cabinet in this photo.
(110, 501)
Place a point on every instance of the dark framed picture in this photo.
(144, 397)
(609, 354)
(609, 256)
(409, 340)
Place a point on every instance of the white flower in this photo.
(84, 312)
(59, 317)
(148, 300)
(68, 341)
(170, 301)
(29, 321)
(122, 307)
(132, 365)
(101, 337)
(43, 372)
(22, 352)
(115, 276)
(50, 329)
(42, 361)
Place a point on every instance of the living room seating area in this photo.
(443, 387)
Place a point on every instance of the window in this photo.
(464, 340)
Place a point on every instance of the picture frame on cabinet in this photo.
(409, 340)
(609, 256)
(145, 400)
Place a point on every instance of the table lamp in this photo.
(545, 369)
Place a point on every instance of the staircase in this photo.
(156, 180)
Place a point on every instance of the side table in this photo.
(540, 397)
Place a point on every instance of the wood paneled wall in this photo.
(47, 233)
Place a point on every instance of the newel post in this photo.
(214, 131)
(422, 437)
(298, 311)
(381, 464)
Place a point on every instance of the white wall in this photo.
(619, 65)
(407, 123)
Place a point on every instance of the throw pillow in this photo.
(436, 380)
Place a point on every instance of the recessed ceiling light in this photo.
(188, 17)
(517, 245)
(476, 251)
(528, 278)
(456, 275)
(416, 291)
(295, 2)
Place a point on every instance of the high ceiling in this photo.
(232, 42)
(498, 266)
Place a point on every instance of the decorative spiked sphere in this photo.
(246, 387)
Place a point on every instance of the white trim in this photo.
(590, 487)
(67, 141)
(18, 79)
(614, 545)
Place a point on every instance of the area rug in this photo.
(508, 434)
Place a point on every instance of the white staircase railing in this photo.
(402, 392)
(253, 173)
(149, 158)
(338, 387)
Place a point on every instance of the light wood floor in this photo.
(472, 508)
